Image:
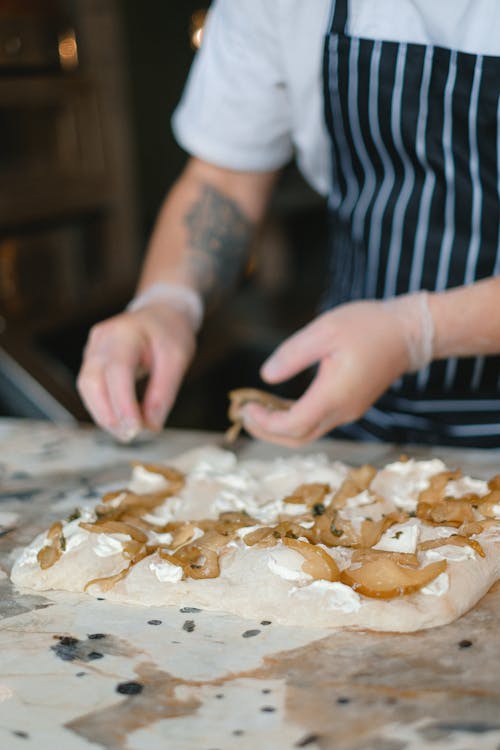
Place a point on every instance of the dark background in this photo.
(94, 221)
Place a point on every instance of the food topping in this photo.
(386, 579)
(52, 551)
(318, 563)
(353, 536)
(454, 539)
(241, 396)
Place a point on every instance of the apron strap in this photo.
(339, 17)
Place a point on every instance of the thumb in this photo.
(302, 349)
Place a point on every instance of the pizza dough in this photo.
(299, 541)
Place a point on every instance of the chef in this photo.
(392, 109)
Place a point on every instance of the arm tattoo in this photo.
(218, 238)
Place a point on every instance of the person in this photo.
(392, 110)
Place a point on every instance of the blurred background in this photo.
(87, 89)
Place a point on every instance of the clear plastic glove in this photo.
(361, 348)
(157, 339)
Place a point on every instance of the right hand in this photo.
(158, 340)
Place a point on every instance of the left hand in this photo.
(361, 348)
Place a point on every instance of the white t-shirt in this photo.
(254, 96)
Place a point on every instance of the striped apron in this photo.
(415, 204)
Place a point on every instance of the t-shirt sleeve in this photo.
(234, 111)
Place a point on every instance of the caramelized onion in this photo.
(131, 549)
(455, 539)
(371, 531)
(489, 504)
(266, 536)
(335, 532)
(175, 478)
(386, 579)
(308, 494)
(108, 582)
(198, 561)
(435, 493)
(363, 476)
(494, 482)
(115, 527)
(51, 552)
(183, 534)
(356, 482)
(241, 396)
(318, 563)
(449, 512)
(373, 555)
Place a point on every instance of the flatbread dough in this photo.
(399, 509)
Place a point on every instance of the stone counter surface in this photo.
(79, 672)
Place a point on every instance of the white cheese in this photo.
(211, 461)
(402, 481)
(402, 537)
(164, 513)
(75, 540)
(451, 552)
(165, 571)
(29, 554)
(438, 586)
(466, 486)
(165, 538)
(73, 533)
(341, 555)
(144, 481)
(334, 595)
(287, 563)
(263, 512)
(364, 506)
(109, 544)
(115, 502)
(364, 498)
(435, 532)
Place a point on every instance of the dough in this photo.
(300, 541)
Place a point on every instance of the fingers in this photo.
(310, 416)
(107, 378)
(166, 372)
(160, 343)
(120, 382)
(94, 394)
(301, 350)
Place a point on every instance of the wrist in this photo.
(182, 298)
(413, 315)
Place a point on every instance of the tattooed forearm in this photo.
(218, 238)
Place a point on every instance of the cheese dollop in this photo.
(438, 586)
(144, 481)
(287, 564)
(333, 594)
(109, 544)
(401, 537)
(166, 572)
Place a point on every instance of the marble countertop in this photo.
(79, 672)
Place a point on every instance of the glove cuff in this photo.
(417, 324)
(183, 298)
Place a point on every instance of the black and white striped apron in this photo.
(415, 204)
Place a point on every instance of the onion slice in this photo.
(115, 527)
(51, 552)
(386, 579)
(317, 563)
(455, 539)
